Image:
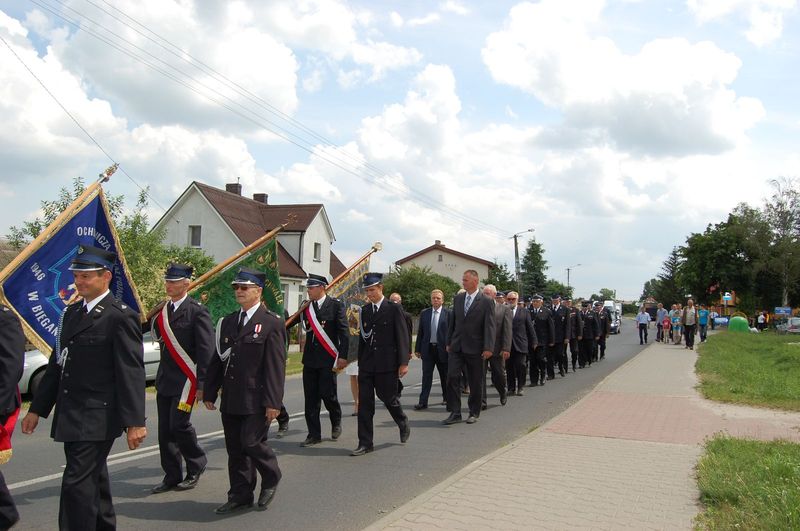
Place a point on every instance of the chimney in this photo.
(234, 188)
(261, 198)
(438, 242)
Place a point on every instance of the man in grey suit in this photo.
(471, 334)
(431, 344)
(502, 346)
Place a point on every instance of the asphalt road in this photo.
(322, 487)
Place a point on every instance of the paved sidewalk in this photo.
(622, 457)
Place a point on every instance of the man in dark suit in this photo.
(249, 369)
(471, 334)
(383, 354)
(502, 346)
(545, 333)
(603, 317)
(575, 331)
(12, 356)
(327, 343)
(398, 299)
(95, 379)
(523, 342)
(186, 337)
(432, 346)
(591, 333)
(561, 325)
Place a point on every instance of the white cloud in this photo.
(397, 19)
(357, 216)
(453, 6)
(430, 18)
(764, 16)
(672, 97)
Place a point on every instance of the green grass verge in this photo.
(293, 363)
(755, 369)
(748, 484)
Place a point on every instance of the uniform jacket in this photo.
(543, 323)
(575, 323)
(603, 322)
(191, 324)
(502, 321)
(523, 334)
(409, 324)
(331, 315)
(387, 347)
(591, 327)
(12, 357)
(474, 332)
(252, 378)
(424, 334)
(100, 390)
(561, 323)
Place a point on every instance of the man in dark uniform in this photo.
(398, 299)
(96, 382)
(471, 334)
(575, 331)
(604, 322)
(383, 354)
(523, 341)
(249, 369)
(431, 344)
(186, 337)
(545, 333)
(327, 342)
(558, 354)
(502, 346)
(591, 333)
(12, 357)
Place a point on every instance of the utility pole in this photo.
(516, 261)
(568, 270)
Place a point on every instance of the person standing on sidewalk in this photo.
(712, 315)
(661, 313)
(689, 319)
(643, 322)
(185, 334)
(702, 322)
(502, 346)
(575, 331)
(523, 341)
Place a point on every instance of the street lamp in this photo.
(516, 260)
(568, 270)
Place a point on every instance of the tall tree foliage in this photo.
(414, 284)
(501, 277)
(532, 269)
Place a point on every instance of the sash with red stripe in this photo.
(181, 359)
(6, 429)
(322, 336)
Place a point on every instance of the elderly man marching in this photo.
(186, 336)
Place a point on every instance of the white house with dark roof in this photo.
(222, 222)
(447, 262)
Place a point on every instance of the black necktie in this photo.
(170, 310)
(85, 309)
(242, 317)
(316, 306)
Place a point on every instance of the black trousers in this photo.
(643, 333)
(659, 332)
(559, 354)
(177, 439)
(688, 334)
(320, 385)
(515, 371)
(383, 384)
(574, 350)
(8, 510)
(587, 351)
(538, 364)
(703, 332)
(430, 362)
(248, 452)
(496, 364)
(473, 363)
(85, 503)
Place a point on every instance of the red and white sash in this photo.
(322, 336)
(181, 359)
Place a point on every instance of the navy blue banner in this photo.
(42, 286)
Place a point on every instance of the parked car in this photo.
(791, 326)
(36, 363)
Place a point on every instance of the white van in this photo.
(614, 308)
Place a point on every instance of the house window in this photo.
(194, 235)
(441, 259)
(317, 252)
(285, 291)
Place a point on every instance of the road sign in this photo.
(783, 310)
(727, 296)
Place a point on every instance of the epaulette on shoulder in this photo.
(273, 314)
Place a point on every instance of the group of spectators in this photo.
(678, 325)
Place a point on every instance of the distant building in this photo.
(447, 262)
(222, 222)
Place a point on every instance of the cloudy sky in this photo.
(613, 128)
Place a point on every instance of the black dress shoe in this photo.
(452, 419)
(361, 450)
(405, 432)
(283, 429)
(541, 382)
(336, 432)
(232, 506)
(265, 498)
(472, 419)
(191, 481)
(484, 407)
(417, 407)
(503, 399)
(310, 441)
(162, 487)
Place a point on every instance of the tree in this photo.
(501, 277)
(554, 287)
(532, 269)
(415, 284)
(669, 289)
(649, 290)
(607, 294)
(782, 212)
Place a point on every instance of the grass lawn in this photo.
(755, 369)
(748, 484)
(293, 365)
